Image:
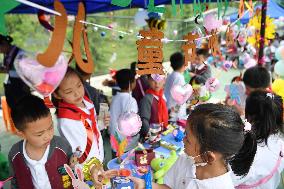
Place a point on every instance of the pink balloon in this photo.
(129, 124)
(42, 79)
(181, 94)
(212, 84)
(211, 23)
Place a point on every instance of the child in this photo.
(214, 134)
(256, 78)
(175, 78)
(77, 120)
(153, 110)
(123, 102)
(35, 161)
(265, 111)
(199, 67)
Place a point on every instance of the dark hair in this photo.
(124, 77)
(257, 77)
(198, 80)
(218, 128)
(202, 51)
(28, 109)
(265, 113)
(6, 38)
(177, 61)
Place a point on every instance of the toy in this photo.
(121, 183)
(169, 130)
(154, 135)
(161, 166)
(144, 157)
(169, 146)
(148, 179)
(178, 134)
(78, 183)
(118, 145)
(212, 84)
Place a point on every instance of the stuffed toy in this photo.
(161, 166)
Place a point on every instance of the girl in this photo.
(214, 134)
(77, 118)
(265, 111)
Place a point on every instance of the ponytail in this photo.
(242, 161)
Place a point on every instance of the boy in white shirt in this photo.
(36, 160)
(175, 78)
(123, 102)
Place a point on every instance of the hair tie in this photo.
(270, 95)
(247, 125)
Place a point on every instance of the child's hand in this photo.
(97, 173)
(111, 173)
(138, 183)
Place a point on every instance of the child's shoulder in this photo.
(16, 148)
(61, 143)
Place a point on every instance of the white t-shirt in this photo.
(39, 175)
(175, 78)
(75, 133)
(122, 102)
(182, 176)
(264, 161)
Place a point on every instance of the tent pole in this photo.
(262, 33)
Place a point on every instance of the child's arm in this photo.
(145, 113)
(140, 184)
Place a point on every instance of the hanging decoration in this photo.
(6, 6)
(256, 23)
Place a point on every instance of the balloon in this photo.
(212, 84)
(227, 65)
(250, 63)
(211, 23)
(279, 54)
(42, 79)
(279, 68)
(181, 94)
(140, 18)
(129, 124)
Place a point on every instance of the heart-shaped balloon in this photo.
(129, 124)
(227, 64)
(212, 84)
(181, 94)
(42, 79)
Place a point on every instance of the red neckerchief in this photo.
(70, 111)
(162, 107)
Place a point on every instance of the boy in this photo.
(199, 66)
(175, 78)
(123, 102)
(37, 161)
(153, 110)
(256, 78)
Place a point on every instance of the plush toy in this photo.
(161, 166)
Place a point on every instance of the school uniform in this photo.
(182, 175)
(79, 127)
(121, 103)
(268, 163)
(42, 174)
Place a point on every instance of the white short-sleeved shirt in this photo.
(182, 176)
(39, 175)
(122, 102)
(75, 133)
(264, 162)
(175, 78)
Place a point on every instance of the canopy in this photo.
(273, 11)
(92, 6)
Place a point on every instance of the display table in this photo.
(130, 164)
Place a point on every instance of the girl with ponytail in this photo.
(264, 166)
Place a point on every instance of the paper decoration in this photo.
(6, 6)
(150, 52)
(199, 8)
(121, 3)
(236, 92)
(189, 56)
(55, 47)
(229, 37)
(44, 21)
(129, 124)
(174, 7)
(242, 7)
(151, 7)
(43, 79)
(86, 66)
(198, 42)
(213, 43)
